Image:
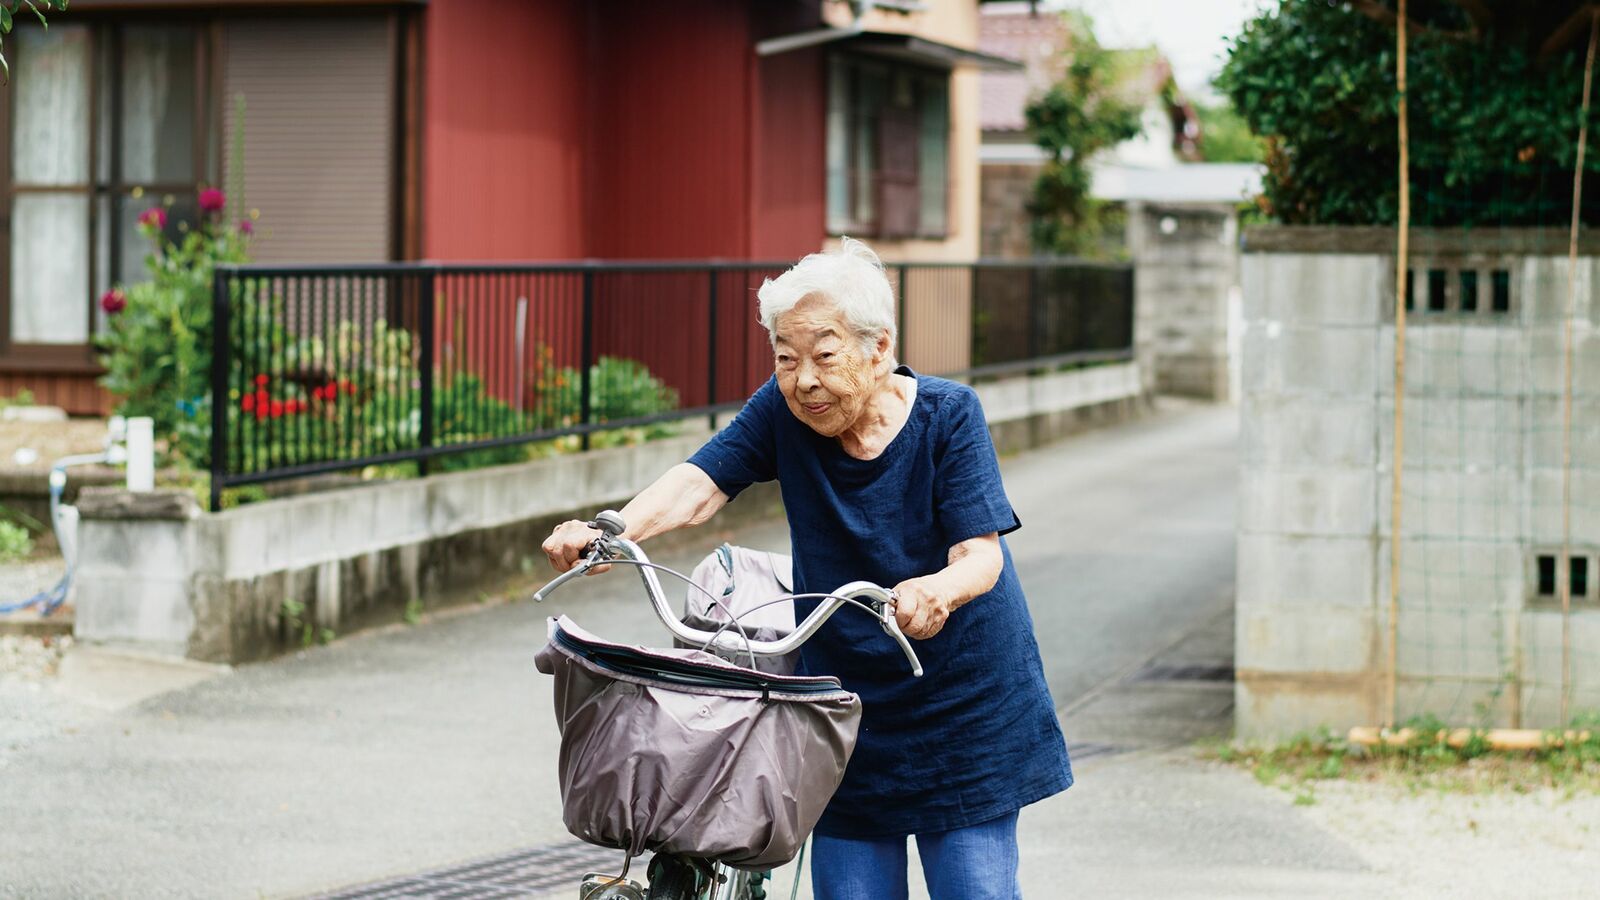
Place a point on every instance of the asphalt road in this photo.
(410, 748)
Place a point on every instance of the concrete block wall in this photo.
(158, 575)
(1481, 495)
(1186, 261)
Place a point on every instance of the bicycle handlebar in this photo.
(611, 545)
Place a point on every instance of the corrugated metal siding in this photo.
(670, 159)
(504, 161)
(319, 134)
(788, 219)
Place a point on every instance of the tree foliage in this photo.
(1225, 138)
(1082, 114)
(8, 11)
(1493, 112)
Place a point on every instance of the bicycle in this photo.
(689, 873)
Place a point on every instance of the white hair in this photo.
(851, 278)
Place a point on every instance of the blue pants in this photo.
(974, 863)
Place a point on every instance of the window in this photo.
(888, 149)
(104, 124)
(1460, 290)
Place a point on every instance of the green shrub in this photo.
(157, 347)
(1493, 127)
(15, 542)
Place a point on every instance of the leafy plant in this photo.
(157, 348)
(1493, 109)
(16, 543)
(1076, 118)
(23, 397)
(8, 11)
(1226, 137)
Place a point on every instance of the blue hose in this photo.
(50, 599)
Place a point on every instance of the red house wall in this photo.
(622, 129)
(503, 162)
(672, 149)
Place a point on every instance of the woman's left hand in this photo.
(920, 608)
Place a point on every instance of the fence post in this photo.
(220, 366)
(711, 348)
(585, 405)
(1035, 316)
(900, 319)
(426, 313)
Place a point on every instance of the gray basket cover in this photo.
(753, 585)
(734, 774)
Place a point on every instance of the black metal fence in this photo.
(318, 369)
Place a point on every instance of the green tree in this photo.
(9, 9)
(1082, 114)
(1494, 97)
(1225, 137)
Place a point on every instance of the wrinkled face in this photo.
(825, 374)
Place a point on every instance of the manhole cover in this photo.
(522, 873)
(1157, 672)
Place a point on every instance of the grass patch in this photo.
(1425, 763)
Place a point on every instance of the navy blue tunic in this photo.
(976, 737)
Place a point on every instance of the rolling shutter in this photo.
(319, 135)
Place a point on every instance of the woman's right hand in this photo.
(569, 543)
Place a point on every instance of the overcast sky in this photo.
(1190, 32)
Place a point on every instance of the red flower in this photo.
(350, 388)
(261, 380)
(261, 413)
(113, 301)
(212, 200)
(275, 409)
(154, 218)
(294, 407)
(248, 403)
(262, 399)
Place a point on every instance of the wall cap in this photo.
(114, 503)
(1381, 239)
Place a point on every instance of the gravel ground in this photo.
(32, 708)
(49, 441)
(26, 578)
(1499, 844)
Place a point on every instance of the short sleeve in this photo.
(744, 452)
(969, 498)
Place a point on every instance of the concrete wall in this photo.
(1186, 262)
(244, 584)
(1478, 644)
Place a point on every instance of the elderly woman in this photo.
(887, 476)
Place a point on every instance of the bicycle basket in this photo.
(682, 752)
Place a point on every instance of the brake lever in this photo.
(582, 568)
(891, 627)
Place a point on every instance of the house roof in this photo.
(1011, 31)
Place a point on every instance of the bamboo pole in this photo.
(1401, 264)
(1564, 574)
(1495, 738)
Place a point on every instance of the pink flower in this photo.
(247, 227)
(153, 219)
(212, 200)
(113, 301)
